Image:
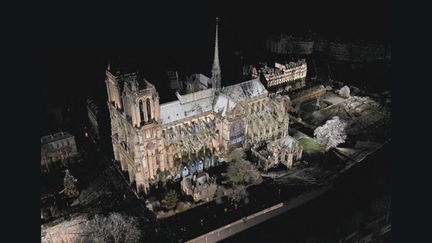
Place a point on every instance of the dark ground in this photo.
(333, 215)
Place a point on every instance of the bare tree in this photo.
(332, 133)
(112, 228)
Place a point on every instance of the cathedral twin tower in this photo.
(146, 110)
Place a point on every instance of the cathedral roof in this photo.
(174, 111)
(223, 104)
(244, 90)
(287, 141)
(199, 78)
(203, 101)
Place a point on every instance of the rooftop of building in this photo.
(56, 136)
(92, 106)
(133, 79)
(195, 96)
(175, 110)
(198, 77)
(245, 90)
(279, 68)
(223, 104)
(285, 141)
(203, 101)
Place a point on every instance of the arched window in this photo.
(141, 111)
(148, 109)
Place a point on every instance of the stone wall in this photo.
(194, 96)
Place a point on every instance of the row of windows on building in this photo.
(59, 144)
(59, 156)
(279, 80)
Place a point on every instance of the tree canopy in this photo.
(170, 200)
(241, 171)
(332, 133)
(113, 228)
(69, 183)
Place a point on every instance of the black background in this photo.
(80, 43)
(68, 40)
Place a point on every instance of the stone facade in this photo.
(93, 114)
(285, 150)
(56, 148)
(283, 78)
(199, 186)
(174, 80)
(150, 139)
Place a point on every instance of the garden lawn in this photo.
(310, 146)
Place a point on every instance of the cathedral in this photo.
(171, 140)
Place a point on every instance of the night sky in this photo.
(154, 39)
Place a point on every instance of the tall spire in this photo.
(216, 48)
(216, 71)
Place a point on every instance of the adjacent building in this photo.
(196, 82)
(283, 78)
(174, 80)
(284, 151)
(199, 186)
(57, 148)
(280, 78)
(249, 71)
(93, 116)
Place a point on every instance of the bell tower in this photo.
(146, 106)
(112, 88)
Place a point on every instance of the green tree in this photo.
(70, 185)
(237, 154)
(170, 200)
(238, 194)
(241, 171)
